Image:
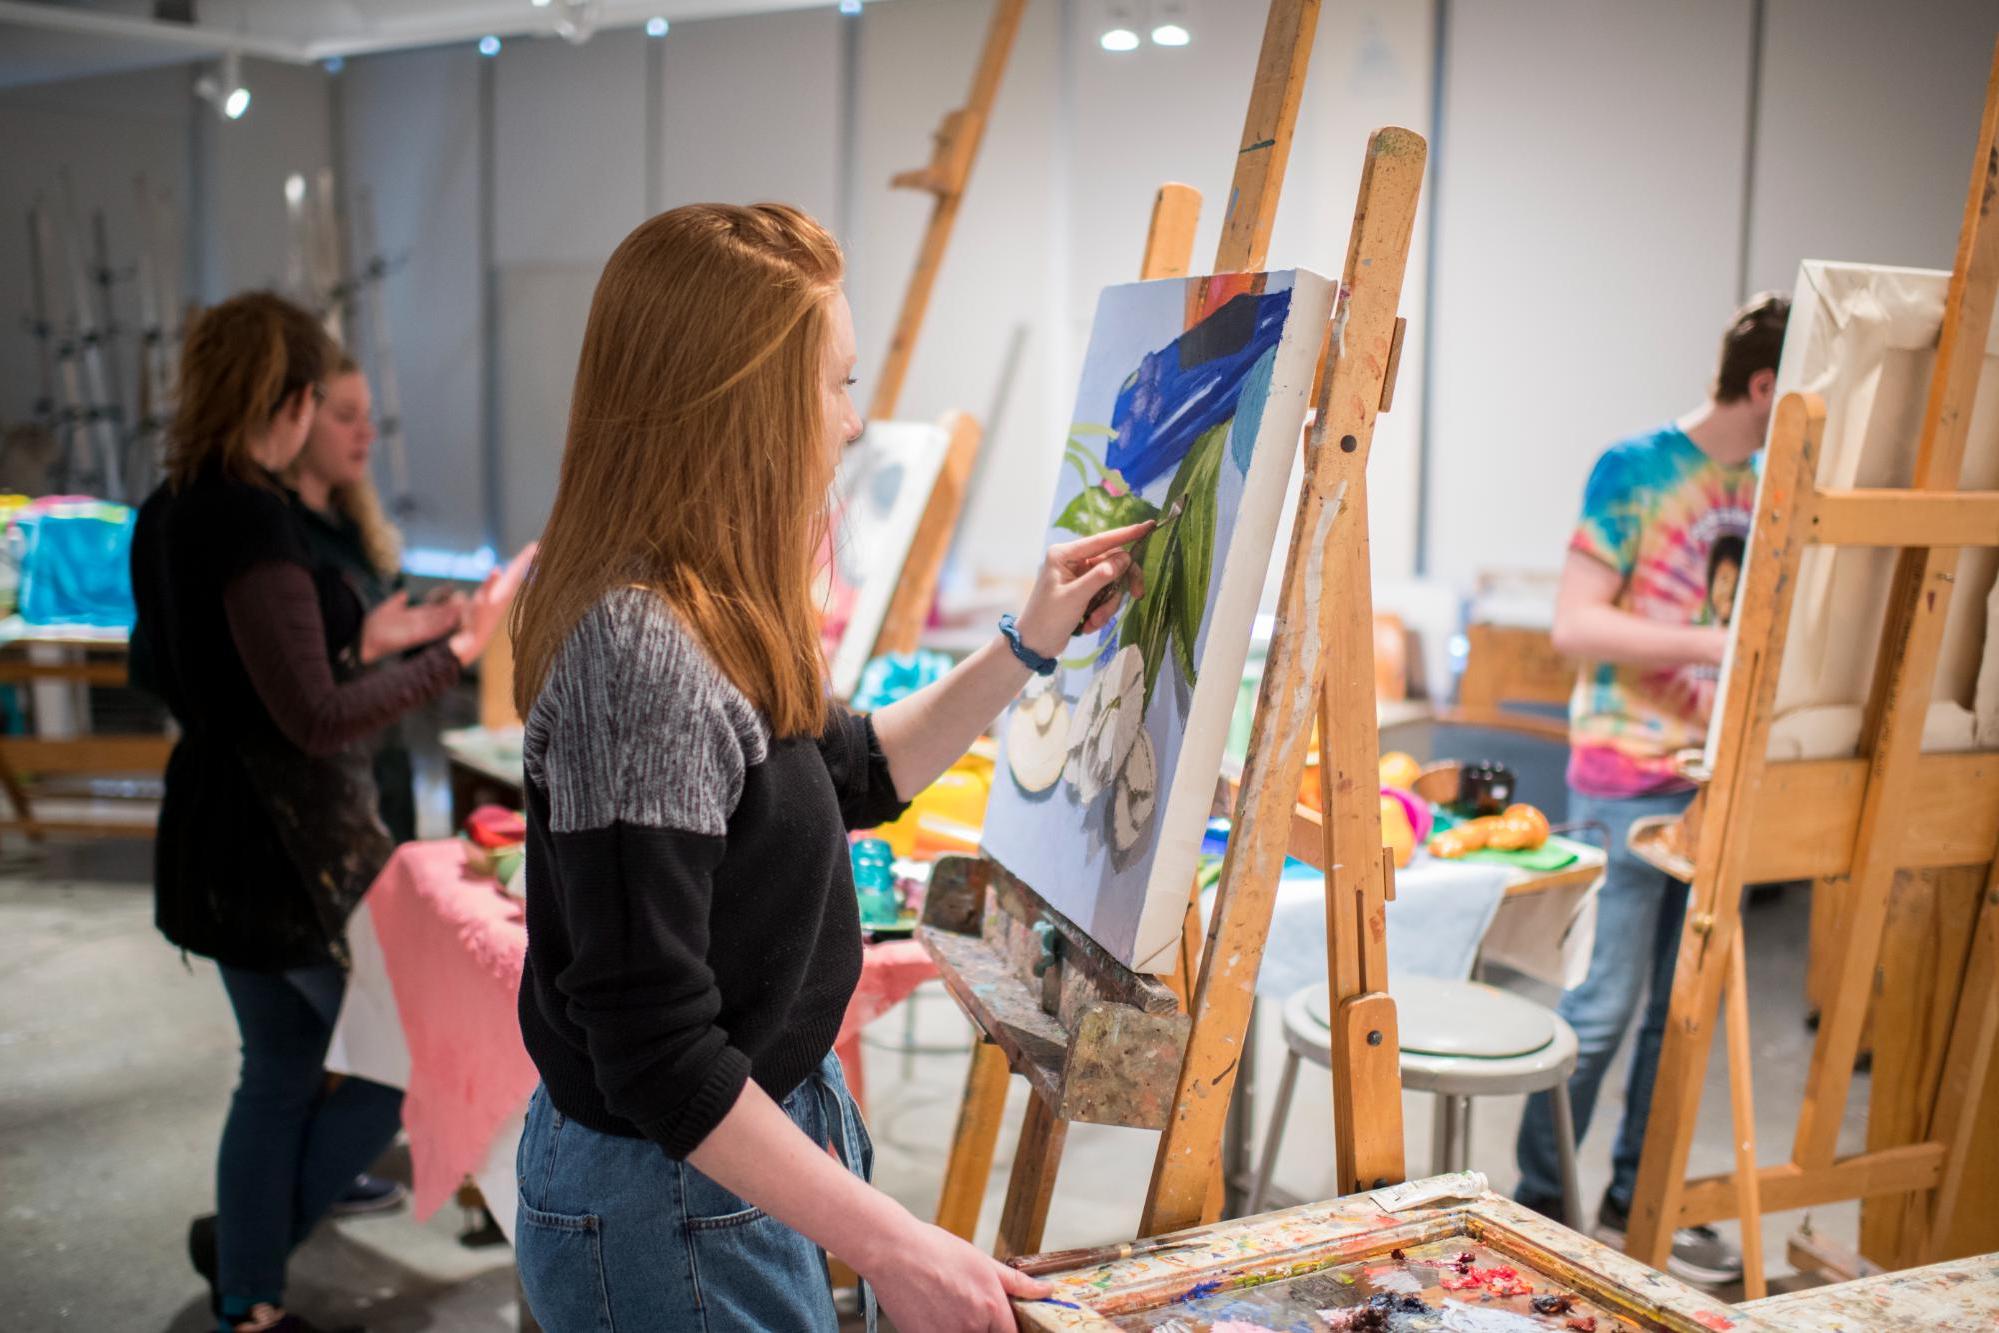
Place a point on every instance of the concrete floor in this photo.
(117, 1058)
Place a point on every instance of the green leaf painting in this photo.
(1177, 562)
(1096, 510)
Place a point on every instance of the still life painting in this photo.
(879, 495)
(1192, 400)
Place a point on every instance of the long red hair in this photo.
(695, 464)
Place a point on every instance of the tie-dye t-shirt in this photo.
(1674, 523)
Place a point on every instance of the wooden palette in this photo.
(1483, 1266)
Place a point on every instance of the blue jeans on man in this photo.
(1639, 914)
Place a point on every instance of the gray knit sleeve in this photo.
(637, 725)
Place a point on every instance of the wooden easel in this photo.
(1854, 825)
(955, 146)
(1096, 1041)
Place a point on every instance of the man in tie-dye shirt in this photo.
(1647, 592)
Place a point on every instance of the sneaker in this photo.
(1699, 1254)
(369, 1194)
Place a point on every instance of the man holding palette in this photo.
(1646, 596)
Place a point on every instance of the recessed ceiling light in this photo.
(1119, 39)
(656, 27)
(850, 7)
(489, 45)
(1170, 34)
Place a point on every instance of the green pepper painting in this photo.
(1192, 400)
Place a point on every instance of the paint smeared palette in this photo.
(1481, 1266)
(1455, 1285)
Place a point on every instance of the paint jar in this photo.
(874, 882)
(1484, 788)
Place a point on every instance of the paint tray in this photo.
(1483, 1266)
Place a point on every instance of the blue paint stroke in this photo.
(1249, 410)
(1197, 1291)
(1067, 1305)
(1191, 385)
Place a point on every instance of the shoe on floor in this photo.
(1550, 1208)
(1699, 1254)
(201, 1253)
(370, 1194)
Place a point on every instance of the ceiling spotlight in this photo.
(850, 7)
(656, 27)
(540, 4)
(224, 90)
(1169, 23)
(295, 189)
(1170, 34)
(489, 45)
(334, 64)
(1122, 32)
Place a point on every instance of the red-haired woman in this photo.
(692, 933)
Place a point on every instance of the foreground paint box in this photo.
(1191, 402)
(1318, 1269)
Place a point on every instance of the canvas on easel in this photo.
(1192, 398)
(1863, 337)
(880, 493)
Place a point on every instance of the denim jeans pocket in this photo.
(709, 1207)
(561, 1261)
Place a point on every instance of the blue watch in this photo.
(1035, 662)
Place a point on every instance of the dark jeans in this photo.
(1638, 916)
(289, 1147)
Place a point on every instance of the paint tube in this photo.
(1434, 1189)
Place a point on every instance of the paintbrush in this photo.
(1061, 1261)
(1109, 590)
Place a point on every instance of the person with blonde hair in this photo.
(351, 537)
(693, 937)
(268, 835)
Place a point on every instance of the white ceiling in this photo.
(45, 40)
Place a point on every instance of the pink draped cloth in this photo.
(454, 946)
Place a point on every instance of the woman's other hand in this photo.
(929, 1279)
(488, 607)
(396, 627)
(1063, 603)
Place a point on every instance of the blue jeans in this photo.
(1638, 917)
(614, 1234)
(289, 1147)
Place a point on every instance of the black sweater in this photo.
(690, 905)
(268, 834)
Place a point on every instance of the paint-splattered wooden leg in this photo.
(1742, 1105)
(1032, 1185)
(972, 1145)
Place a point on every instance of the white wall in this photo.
(411, 130)
(1868, 120)
(1590, 185)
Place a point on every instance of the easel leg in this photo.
(1032, 1185)
(1742, 1104)
(972, 1145)
(1967, 1068)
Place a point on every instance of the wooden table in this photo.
(1941, 1298)
(48, 659)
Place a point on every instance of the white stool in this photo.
(1459, 1040)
